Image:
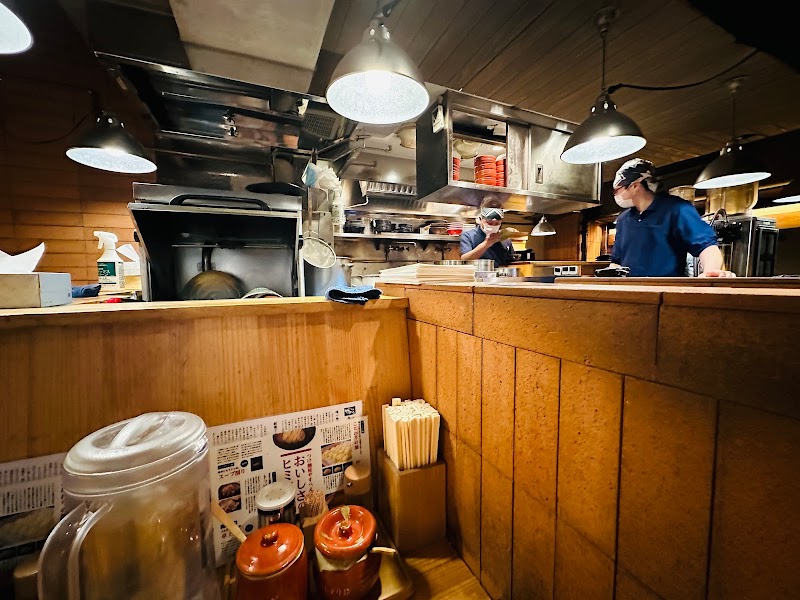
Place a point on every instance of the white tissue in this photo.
(21, 263)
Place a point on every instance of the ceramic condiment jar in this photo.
(273, 564)
(346, 563)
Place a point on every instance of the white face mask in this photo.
(623, 203)
(489, 229)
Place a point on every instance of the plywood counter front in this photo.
(67, 371)
(616, 440)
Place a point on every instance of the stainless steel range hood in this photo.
(212, 120)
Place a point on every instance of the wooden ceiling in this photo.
(544, 55)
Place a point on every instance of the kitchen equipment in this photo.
(748, 244)
(437, 229)
(524, 255)
(275, 187)
(485, 275)
(612, 272)
(508, 272)
(454, 228)
(139, 514)
(273, 563)
(210, 284)
(275, 504)
(347, 563)
(255, 238)
(406, 228)
(354, 227)
(382, 226)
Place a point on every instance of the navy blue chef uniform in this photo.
(502, 253)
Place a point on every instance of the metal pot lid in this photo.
(269, 550)
(134, 452)
(345, 533)
(275, 496)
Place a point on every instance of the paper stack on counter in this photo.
(411, 433)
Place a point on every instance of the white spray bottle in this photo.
(110, 270)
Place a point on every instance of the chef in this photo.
(657, 230)
(485, 241)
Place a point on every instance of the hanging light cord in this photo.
(684, 86)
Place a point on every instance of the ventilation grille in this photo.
(380, 188)
(321, 124)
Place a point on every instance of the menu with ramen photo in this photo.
(311, 449)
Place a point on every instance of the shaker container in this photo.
(139, 524)
(275, 504)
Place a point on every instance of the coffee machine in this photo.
(748, 243)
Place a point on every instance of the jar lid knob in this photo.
(345, 529)
(269, 538)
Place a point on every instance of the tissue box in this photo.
(35, 290)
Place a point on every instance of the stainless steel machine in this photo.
(748, 244)
(254, 238)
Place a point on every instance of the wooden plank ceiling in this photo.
(544, 55)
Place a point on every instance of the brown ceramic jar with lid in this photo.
(273, 564)
(345, 565)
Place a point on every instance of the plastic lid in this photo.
(275, 496)
(134, 452)
(339, 537)
(269, 550)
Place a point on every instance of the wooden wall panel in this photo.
(60, 383)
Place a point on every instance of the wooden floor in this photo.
(439, 573)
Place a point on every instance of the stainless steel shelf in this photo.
(398, 236)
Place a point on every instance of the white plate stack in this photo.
(411, 433)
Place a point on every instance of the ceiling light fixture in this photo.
(15, 37)
(734, 165)
(108, 146)
(790, 193)
(606, 134)
(543, 228)
(377, 82)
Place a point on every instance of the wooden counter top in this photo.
(734, 298)
(125, 312)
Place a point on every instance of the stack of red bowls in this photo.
(485, 170)
(456, 168)
(500, 167)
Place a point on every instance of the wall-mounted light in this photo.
(15, 37)
(606, 134)
(377, 82)
(108, 146)
(734, 165)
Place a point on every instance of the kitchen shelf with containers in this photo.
(401, 229)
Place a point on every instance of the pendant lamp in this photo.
(377, 82)
(109, 147)
(15, 37)
(790, 193)
(734, 165)
(606, 134)
(543, 228)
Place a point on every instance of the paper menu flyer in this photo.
(31, 504)
(310, 448)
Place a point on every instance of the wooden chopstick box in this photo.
(34, 290)
(412, 503)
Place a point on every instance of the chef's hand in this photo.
(493, 238)
(717, 274)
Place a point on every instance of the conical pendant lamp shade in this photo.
(543, 228)
(15, 37)
(733, 166)
(377, 82)
(606, 135)
(109, 147)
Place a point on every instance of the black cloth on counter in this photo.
(352, 295)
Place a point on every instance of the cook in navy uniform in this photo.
(485, 240)
(657, 230)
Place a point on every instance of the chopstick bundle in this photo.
(411, 433)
